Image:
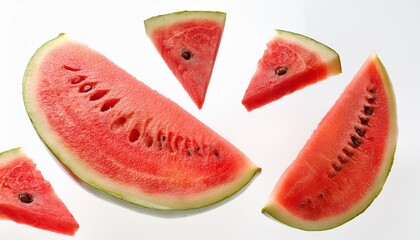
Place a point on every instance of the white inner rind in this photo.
(166, 20)
(325, 53)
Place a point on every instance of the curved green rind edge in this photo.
(159, 21)
(275, 211)
(8, 155)
(61, 153)
(326, 53)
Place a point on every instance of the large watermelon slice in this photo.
(345, 163)
(118, 135)
(291, 62)
(27, 198)
(188, 42)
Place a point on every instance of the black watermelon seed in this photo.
(281, 71)
(355, 141)
(360, 132)
(368, 110)
(371, 99)
(26, 198)
(364, 121)
(186, 54)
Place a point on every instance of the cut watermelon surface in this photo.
(290, 62)
(344, 164)
(27, 198)
(188, 42)
(119, 136)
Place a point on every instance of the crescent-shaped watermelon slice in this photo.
(344, 165)
(119, 136)
(27, 198)
(291, 62)
(188, 42)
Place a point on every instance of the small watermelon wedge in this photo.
(27, 198)
(291, 62)
(188, 42)
(117, 135)
(345, 163)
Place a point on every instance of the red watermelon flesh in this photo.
(290, 62)
(118, 135)
(188, 42)
(27, 198)
(344, 164)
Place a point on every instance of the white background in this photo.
(271, 136)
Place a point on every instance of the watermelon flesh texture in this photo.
(188, 42)
(119, 136)
(27, 198)
(346, 161)
(290, 62)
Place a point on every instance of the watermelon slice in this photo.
(119, 136)
(344, 165)
(290, 62)
(27, 198)
(188, 42)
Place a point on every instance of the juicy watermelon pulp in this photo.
(119, 136)
(188, 42)
(290, 62)
(27, 198)
(345, 163)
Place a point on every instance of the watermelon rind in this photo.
(326, 53)
(11, 154)
(167, 19)
(276, 211)
(81, 171)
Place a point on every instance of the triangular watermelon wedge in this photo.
(291, 62)
(27, 198)
(188, 42)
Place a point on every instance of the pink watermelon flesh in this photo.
(290, 62)
(345, 163)
(188, 42)
(118, 135)
(27, 198)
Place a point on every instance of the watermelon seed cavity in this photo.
(108, 104)
(86, 87)
(73, 69)
(348, 152)
(119, 122)
(363, 120)
(98, 94)
(26, 198)
(77, 79)
(134, 135)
